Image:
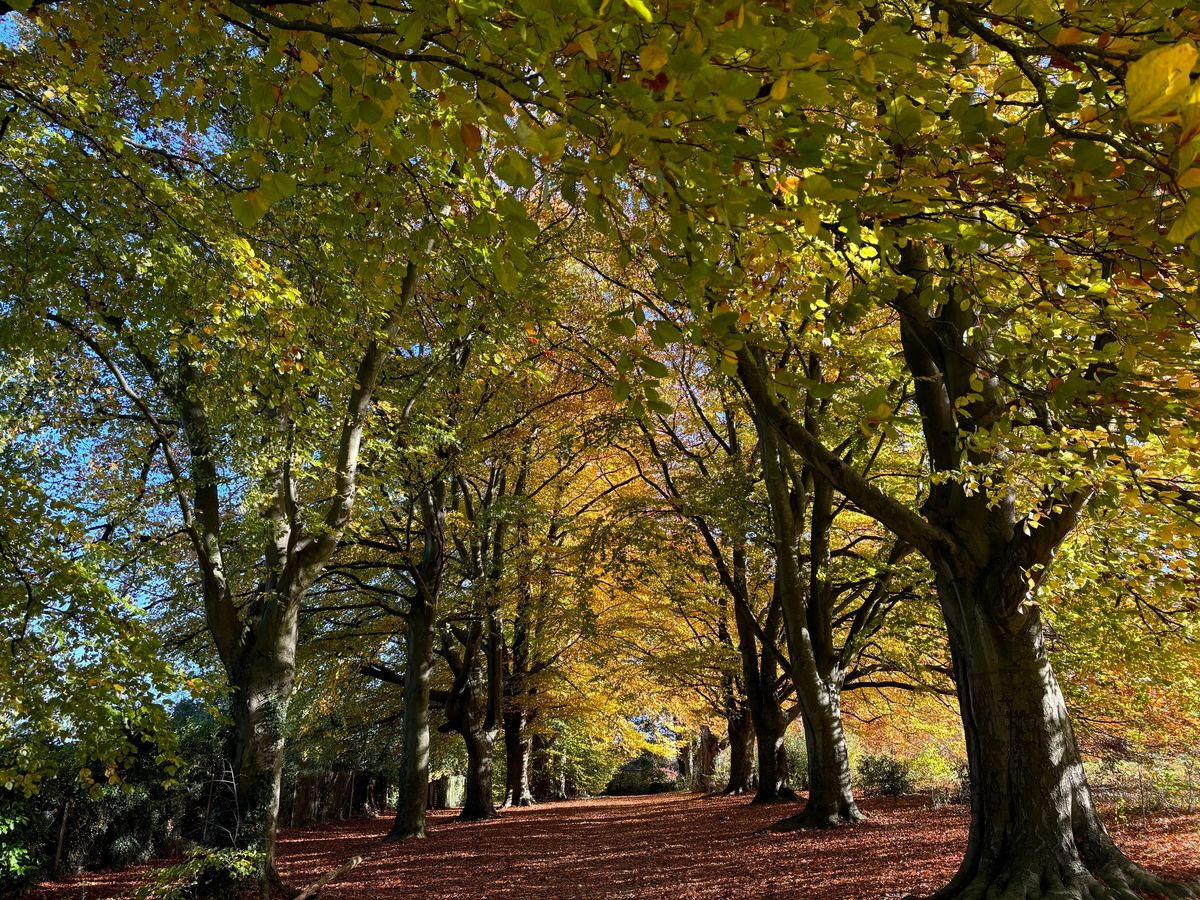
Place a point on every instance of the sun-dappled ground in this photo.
(678, 845)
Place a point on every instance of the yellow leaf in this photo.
(1187, 223)
(586, 44)
(472, 137)
(1069, 35)
(1157, 83)
(1189, 179)
(810, 218)
(639, 7)
(779, 89)
(309, 63)
(652, 57)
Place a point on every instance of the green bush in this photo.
(207, 875)
(645, 775)
(797, 760)
(886, 775)
(108, 825)
(20, 861)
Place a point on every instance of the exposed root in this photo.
(405, 834)
(274, 885)
(813, 817)
(1124, 875)
(1118, 880)
(784, 795)
(478, 815)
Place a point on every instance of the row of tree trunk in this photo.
(319, 797)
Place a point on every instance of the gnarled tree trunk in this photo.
(478, 804)
(830, 785)
(260, 703)
(1034, 829)
(262, 676)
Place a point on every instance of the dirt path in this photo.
(678, 845)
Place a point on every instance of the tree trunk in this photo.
(762, 700)
(516, 755)
(262, 682)
(414, 764)
(830, 784)
(686, 757)
(741, 753)
(478, 803)
(807, 623)
(564, 785)
(773, 784)
(1034, 829)
(541, 775)
(706, 760)
(365, 794)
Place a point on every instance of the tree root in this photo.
(784, 795)
(465, 816)
(395, 836)
(1119, 879)
(274, 885)
(810, 817)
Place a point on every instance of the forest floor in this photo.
(677, 845)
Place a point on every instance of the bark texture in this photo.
(542, 783)
(414, 747)
(517, 744)
(741, 753)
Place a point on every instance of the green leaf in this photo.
(515, 170)
(810, 88)
(622, 326)
(249, 207)
(663, 332)
(654, 368)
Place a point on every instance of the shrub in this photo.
(644, 775)
(886, 775)
(19, 861)
(797, 760)
(962, 793)
(207, 875)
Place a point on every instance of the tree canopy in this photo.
(577, 377)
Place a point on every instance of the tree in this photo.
(1009, 184)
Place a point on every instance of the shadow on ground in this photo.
(677, 845)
